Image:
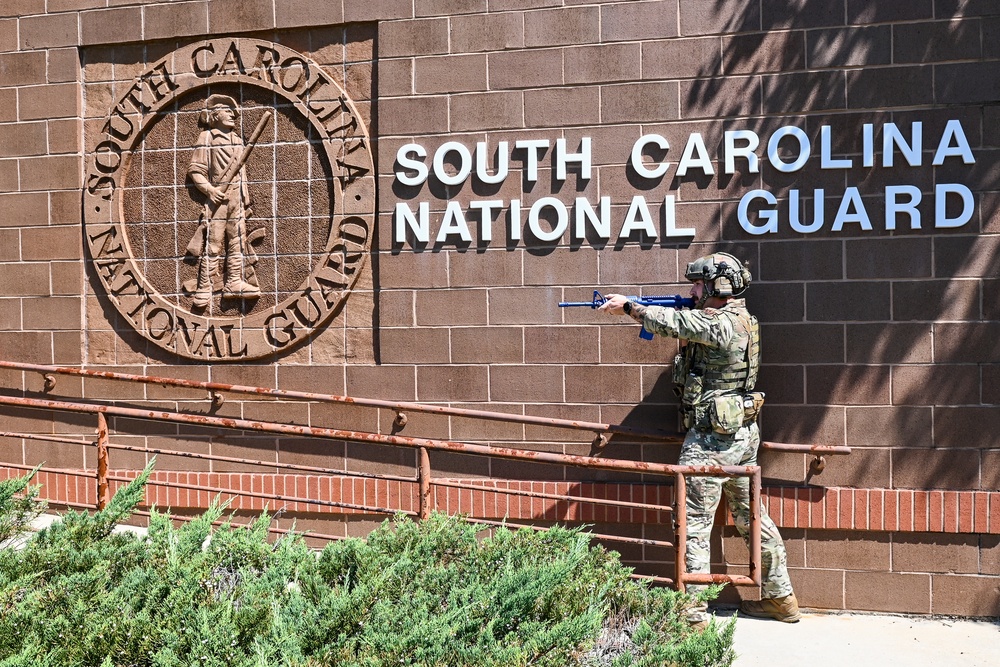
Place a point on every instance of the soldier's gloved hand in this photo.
(614, 304)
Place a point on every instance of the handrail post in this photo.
(680, 530)
(424, 478)
(755, 558)
(102, 461)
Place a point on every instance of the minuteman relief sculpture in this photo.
(229, 200)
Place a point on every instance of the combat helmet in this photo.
(724, 275)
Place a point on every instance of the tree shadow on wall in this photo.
(927, 352)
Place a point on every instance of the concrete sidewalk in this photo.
(866, 640)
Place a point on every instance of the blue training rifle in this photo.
(675, 301)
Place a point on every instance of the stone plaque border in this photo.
(332, 114)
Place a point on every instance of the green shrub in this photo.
(428, 593)
(19, 505)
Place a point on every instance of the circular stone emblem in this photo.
(229, 200)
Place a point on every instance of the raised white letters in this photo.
(787, 149)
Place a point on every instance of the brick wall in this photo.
(881, 339)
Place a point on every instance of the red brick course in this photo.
(827, 508)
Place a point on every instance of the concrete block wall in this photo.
(881, 339)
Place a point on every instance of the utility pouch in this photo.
(693, 385)
(726, 414)
(752, 403)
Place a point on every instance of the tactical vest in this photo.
(716, 385)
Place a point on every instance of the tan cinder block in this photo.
(639, 102)
(175, 19)
(570, 25)
(487, 32)
(320, 452)
(451, 307)
(50, 173)
(568, 345)
(414, 346)
(24, 279)
(64, 136)
(47, 243)
(524, 305)
(526, 69)
(345, 416)
(107, 26)
(639, 20)
(52, 30)
(231, 16)
(492, 345)
(8, 35)
(8, 105)
(10, 245)
(72, 5)
(27, 346)
(452, 383)
(329, 347)
(882, 591)
(410, 38)
(482, 111)
(603, 63)
(415, 115)
(377, 10)
(822, 589)
(602, 384)
(64, 66)
(359, 42)
(522, 383)
(921, 552)
(17, 208)
(381, 382)
(858, 550)
(294, 13)
(53, 313)
(950, 469)
(558, 107)
(358, 83)
(253, 376)
(380, 459)
(395, 78)
(10, 314)
(449, 74)
(23, 69)
(965, 596)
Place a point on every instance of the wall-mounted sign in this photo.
(229, 200)
(788, 149)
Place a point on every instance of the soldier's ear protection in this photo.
(732, 278)
(724, 275)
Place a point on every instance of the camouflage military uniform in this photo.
(715, 370)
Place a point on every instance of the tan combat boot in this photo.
(784, 609)
(235, 287)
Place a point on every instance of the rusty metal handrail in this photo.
(423, 446)
(400, 407)
(378, 438)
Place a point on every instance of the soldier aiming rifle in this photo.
(714, 375)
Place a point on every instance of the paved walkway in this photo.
(866, 640)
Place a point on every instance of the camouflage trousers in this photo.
(704, 494)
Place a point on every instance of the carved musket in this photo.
(226, 181)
